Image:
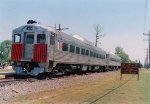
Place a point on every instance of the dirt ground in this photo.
(104, 90)
(7, 69)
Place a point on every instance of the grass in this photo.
(107, 90)
(6, 70)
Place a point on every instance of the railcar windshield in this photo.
(30, 39)
(41, 38)
(17, 38)
(52, 40)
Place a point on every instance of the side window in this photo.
(94, 54)
(77, 50)
(97, 55)
(91, 53)
(107, 55)
(52, 39)
(87, 52)
(100, 56)
(65, 47)
(17, 38)
(72, 48)
(111, 59)
(82, 51)
(30, 39)
(104, 57)
(41, 38)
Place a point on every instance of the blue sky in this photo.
(122, 20)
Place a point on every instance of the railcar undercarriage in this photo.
(27, 68)
(65, 69)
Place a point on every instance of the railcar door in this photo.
(28, 45)
(52, 46)
(107, 59)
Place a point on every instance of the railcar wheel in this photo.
(58, 72)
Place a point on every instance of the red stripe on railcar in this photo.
(16, 52)
(40, 53)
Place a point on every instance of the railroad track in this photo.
(9, 80)
(12, 79)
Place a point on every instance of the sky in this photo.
(122, 20)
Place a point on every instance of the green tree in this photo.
(140, 64)
(5, 50)
(122, 54)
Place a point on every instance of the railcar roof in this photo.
(114, 56)
(39, 26)
(64, 36)
(82, 43)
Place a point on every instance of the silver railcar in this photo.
(37, 48)
(113, 62)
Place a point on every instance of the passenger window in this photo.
(65, 47)
(100, 56)
(72, 48)
(91, 53)
(111, 59)
(97, 55)
(82, 51)
(107, 56)
(104, 57)
(87, 52)
(17, 38)
(30, 39)
(41, 38)
(94, 54)
(77, 50)
(52, 39)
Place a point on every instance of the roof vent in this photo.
(31, 22)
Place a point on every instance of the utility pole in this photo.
(146, 59)
(59, 28)
(148, 48)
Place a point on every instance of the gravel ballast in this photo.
(23, 87)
